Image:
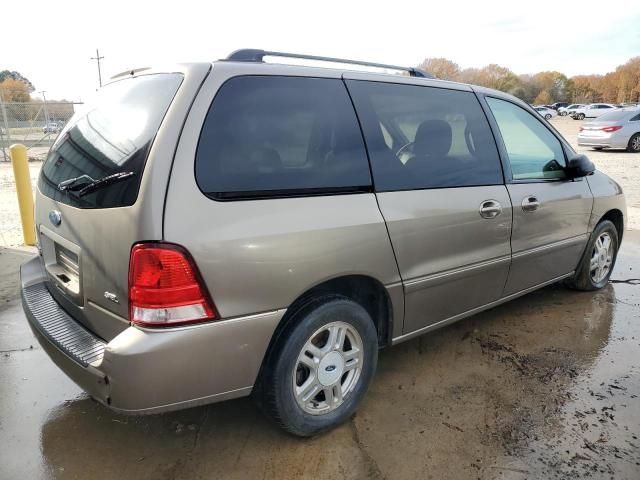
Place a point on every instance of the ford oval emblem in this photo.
(55, 217)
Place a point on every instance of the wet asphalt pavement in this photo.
(546, 386)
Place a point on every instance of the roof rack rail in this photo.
(256, 55)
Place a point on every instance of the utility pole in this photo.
(46, 112)
(98, 58)
(4, 135)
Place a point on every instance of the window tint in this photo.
(270, 136)
(425, 137)
(110, 135)
(534, 152)
(636, 118)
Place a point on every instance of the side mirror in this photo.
(579, 166)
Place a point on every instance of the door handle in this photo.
(530, 203)
(490, 209)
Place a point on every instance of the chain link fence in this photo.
(34, 124)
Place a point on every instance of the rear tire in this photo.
(634, 143)
(320, 367)
(598, 259)
(580, 116)
(548, 116)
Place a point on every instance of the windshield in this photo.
(113, 134)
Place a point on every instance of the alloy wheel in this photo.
(328, 368)
(601, 258)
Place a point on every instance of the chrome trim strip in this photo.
(416, 284)
(550, 246)
(473, 311)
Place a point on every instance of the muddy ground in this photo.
(544, 387)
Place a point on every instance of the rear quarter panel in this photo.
(607, 195)
(260, 255)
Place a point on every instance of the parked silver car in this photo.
(213, 231)
(546, 112)
(617, 129)
(564, 111)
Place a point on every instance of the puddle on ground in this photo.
(546, 386)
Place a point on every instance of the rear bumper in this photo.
(149, 371)
(612, 142)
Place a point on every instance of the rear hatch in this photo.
(96, 197)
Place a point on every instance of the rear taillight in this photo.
(165, 287)
(615, 128)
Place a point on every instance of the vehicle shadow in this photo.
(449, 403)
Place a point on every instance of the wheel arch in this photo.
(365, 290)
(616, 217)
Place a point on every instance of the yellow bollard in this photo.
(20, 165)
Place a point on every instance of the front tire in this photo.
(598, 260)
(321, 366)
(634, 144)
(563, 114)
(547, 116)
(580, 116)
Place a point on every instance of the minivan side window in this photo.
(534, 152)
(272, 136)
(438, 137)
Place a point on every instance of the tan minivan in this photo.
(211, 231)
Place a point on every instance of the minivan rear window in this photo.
(274, 136)
(110, 136)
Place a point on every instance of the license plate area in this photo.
(62, 264)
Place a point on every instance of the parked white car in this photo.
(51, 127)
(546, 112)
(592, 111)
(564, 111)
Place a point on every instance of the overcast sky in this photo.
(51, 42)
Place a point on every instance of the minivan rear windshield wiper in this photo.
(84, 184)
